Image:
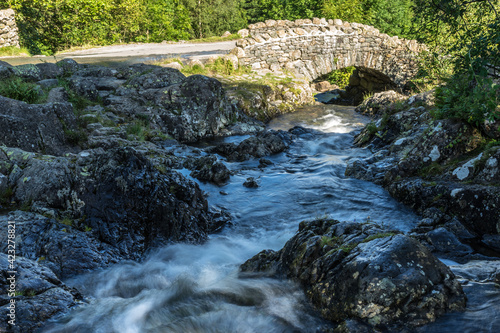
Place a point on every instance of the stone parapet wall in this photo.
(316, 47)
(8, 29)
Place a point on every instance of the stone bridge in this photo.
(316, 47)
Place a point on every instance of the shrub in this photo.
(340, 77)
(16, 88)
(467, 97)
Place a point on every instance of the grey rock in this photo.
(361, 272)
(251, 183)
(41, 295)
(58, 95)
(263, 144)
(35, 127)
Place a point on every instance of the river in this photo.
(195, 288)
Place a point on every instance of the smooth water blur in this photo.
(195, 288)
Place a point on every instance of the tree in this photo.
(214, 17)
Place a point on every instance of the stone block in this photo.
(243, 33)
(338, 22)
(238, 51)
(275, 67)
(256, 66)
(300, 31)
(259, 39)
(281, 33)
(270, 23)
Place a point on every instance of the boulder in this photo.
(207, 168)
(364, 273)
(379, 102)
(263, 144)
(40, 295)
(59, 246)
(194, 109)
(36, 127)
(126, 200)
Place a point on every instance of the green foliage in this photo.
(393, 17)
(16, 88)
(261, 10)
(50, 25)
(220, 66)
(340, 77)
(434, 69)
(76, 137)
(214, 17)
(473, 99)
(346, 10)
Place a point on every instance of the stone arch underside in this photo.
(313, 48)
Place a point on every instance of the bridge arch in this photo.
(312, 48)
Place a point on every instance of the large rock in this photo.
(126, 200)
(61, 247)
(36, 127)
(359, 271)
(40, 295)
(196, 108)
(260, 145)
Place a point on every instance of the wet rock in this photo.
(251, 183)
(207, 168)
(264, 162)
(5, 71)
(128, 201)
(468, 203)
(59, 246)
(435, 164)
(28, 72)
(263, 144)
(156, 77)
(36, 127)
(221, 218)
(362, 272)
(40, 295)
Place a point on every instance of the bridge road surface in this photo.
(132, 53)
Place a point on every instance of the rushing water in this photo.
(195, 288)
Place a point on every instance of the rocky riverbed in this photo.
(125, 186)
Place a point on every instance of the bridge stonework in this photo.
(316, 47)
